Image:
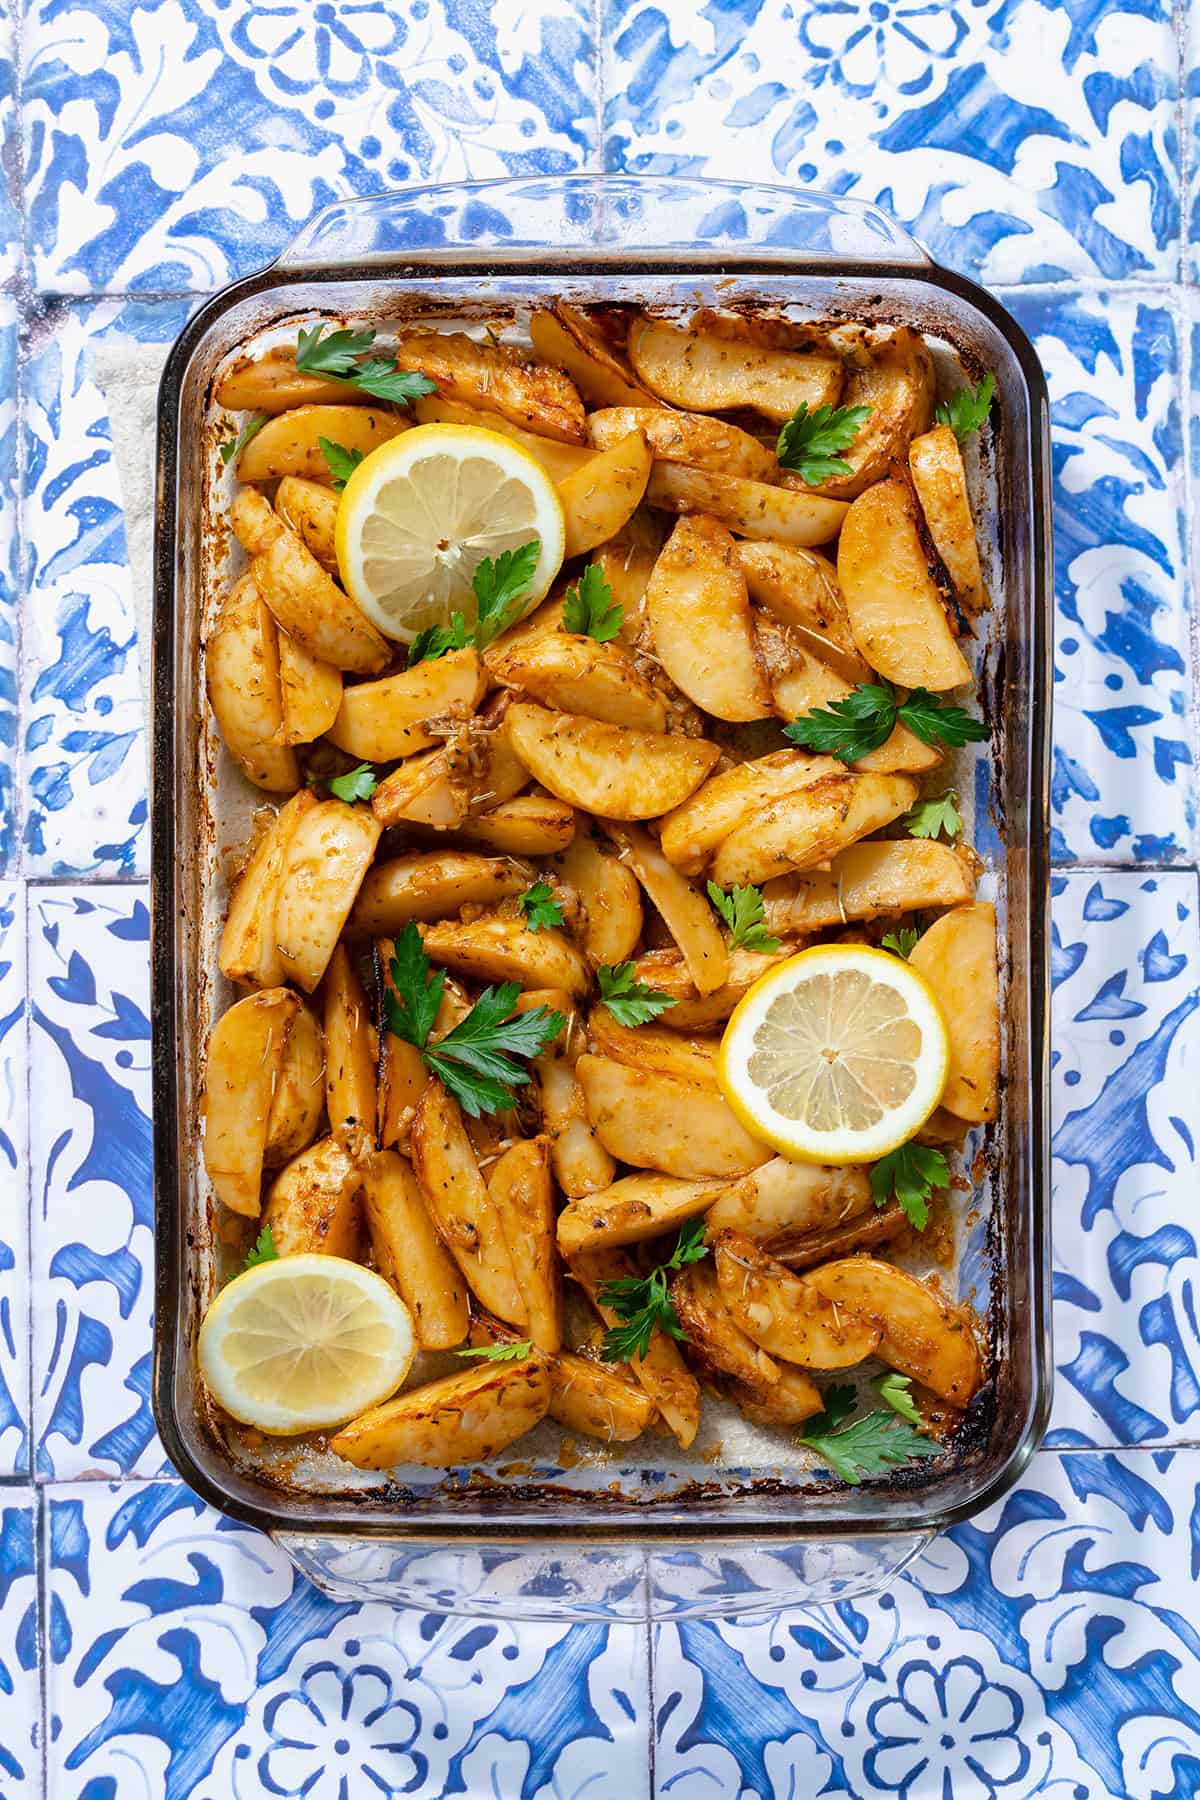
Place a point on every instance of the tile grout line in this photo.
(598, 96)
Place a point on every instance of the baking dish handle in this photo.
(580, 1582)
(630, 218)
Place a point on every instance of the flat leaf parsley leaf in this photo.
(499, 587)
(867, 716)
(810, 441)
(338, 355)
(643, 1302)
(930, 818)
(340, 462)
(630, 1001)
(500, 1353)
(742, 910)
(262, 1250)
(965, 411)
(893, 1390)
(233, 449)
(902, 942)
(911, 1173)
(540, 909)
(590, 609)
(870, 1446)
(355, 784)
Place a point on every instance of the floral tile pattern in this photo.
(20, 1697)
(14, 1198)
(9, 585)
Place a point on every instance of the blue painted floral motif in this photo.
(947, 1731)
(880, 44)
(14, 1239)
(338, 1732)
(19, 1700)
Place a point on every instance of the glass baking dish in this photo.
(556, 1535)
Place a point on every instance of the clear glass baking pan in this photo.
(636, 1530)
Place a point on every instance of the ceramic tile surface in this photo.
(158, 148)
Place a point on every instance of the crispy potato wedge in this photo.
(692, 438)
(784, 1199)
(248, 949)
(409, 1253)
(957, 957)
(299, 1092)
(652, 1047)
(599, 498)
(700, 624)
(327, 856)
(807, 827)
(715, 1339)
(683, 908)
(530, 825)
(657, 1122)
(313, 1205)
(401, 1074)
(245, 1056)
(565, 336)
(693, 831)
(310, 510)
(627, 562)
(579, 675)
(498, 948)
(936, 466)
(460, 1206)
(273, 384)
(256, 525)
(895, 608)
(662, 1371)
(241, 662)
(666, 971)
(522, 1193)
(605, 769)
(425, 790)
(788, 1401)
(310, 606)
(461, 1419)
(581, 1163)
(754, 509)
(921, 1334)
(800, 589)
(628, 1212)
(379, 721)
(558, 459)
(598, 1399)
(351, 1056)
(705, 373)
(896, 380)
(311, 692)
(497, 378)
(289, 444)
(863, 1231)
(784, 1315)
(612, 903)
(869, 881)
(430, 884)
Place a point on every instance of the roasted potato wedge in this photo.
(944, 1127)
(692, 833)
(425, 790)
(311, 692)
(692, 438)
(895, 608)
(666, 971)
(566, 336)
(379, 721)
(611, 901)
(248, 949)
(653, 1047)
(754, 509)
(327, 856)
(409, 1253)
(628, 1212)
(715, 1339)
(936, 465)
(783, 1199)
(558, 459)
(707, 373)
(581, 1163)
(522, 1193)
(578, 675)
(245, 1056)
(598, 499)
(811, 825)
(299, 1092)
(273, 384)
(351, 1055)
(461, 1419)
(826, 1243)
(498, 948)
(782, 1313)
(896, 380)
(290, 443)
(256, 524)
(430, 884)
(242, 672)
(957, 957)
(598, 1399)
(313, 1205)
(683, 908)
(789, 1401)
(700, 624)
(657, 1122)
(530, 825)
(401, 1076)
(662, 1371)
(497, 378)
(627, 562)
(869, 881)
(310, 510)
(800, 589)
(459, 1204)
(921, 1334)
(310, 606)
(605, 769)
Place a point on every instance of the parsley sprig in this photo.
(590, 608)
(929, 818)
(901, 942)
(742, 910)
(500, 1353)
(355, 784)
(810, 441)
(893, 1390)
(339, 354)
(643, 1302)
(340, 461)
(262, 1250)
(870, 1445)
(910, 1173)
(631, 1002)
(233, 449)
(499, 588)
(965, 411)
(475, 1061)
(868, 715)
(539, 908)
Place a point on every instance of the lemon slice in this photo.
(304, 1342)
(421, 512)
(836, 1056)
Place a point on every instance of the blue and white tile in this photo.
(92, 1202)
(1049, 1648)
(176, 144)
(14, 1189)
(187, 1659)
(1123, 787)
(1125, 1074)
(20, 1697)
(9, 608)
(10, 152)
(1029, 141)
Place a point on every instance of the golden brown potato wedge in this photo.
(498, 948)
(628, 1212)
(784, 1315)
(598, 1399)
(530, 825)
(693, 831)
(289, 444)
(657, 1122)
(379, 721)
(581, 1163)
(611, 901)
(862, 1231)
(895, 608)
(425, 790)
(311, 692)
(310, 606)
(522, 1193)
(242, 673)
(944, 1127)
(273, 384)
(245, 1055)
(299, 1093)
(811, 825)
(409, 1253)
(606, 770)
(716, 1342)
(558, 459)
(460, 1206)
(310, 510)
(627, 562)
(753, 509)
(662, 1371)
(256, 525)
(700, 625)
(653, 1047)
(788, 1401)
(313, 1206)
(692, 438)
(497, 378)
(936, 465)
(783, 1199)
(896, 380)
(431, 884)
(248, 950)
(800, 589)
(351, 1056)
(704, 372)
(598, 499)
(957, 957)
(446, 1424)
(667, 973)
(869, 881)
(327, 856)
(579, 675)
(683, 908)
(921, 1334)
(401, 1074)
(565, 336)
